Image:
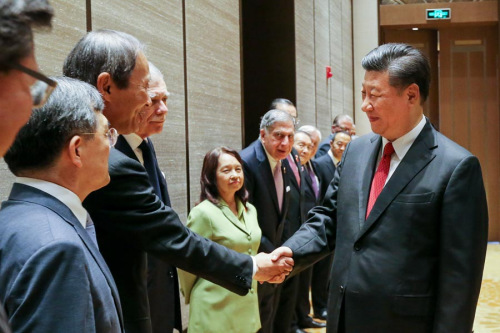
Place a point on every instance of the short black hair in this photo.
(103, 51)
(405, 64)
(71, 109)
(17, 18)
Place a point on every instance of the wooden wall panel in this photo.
(159, 25)
(347, 69)
(322, 59)
(214, 81)
(469, 111)
(305, 67)
(51, 48)
(337, 63)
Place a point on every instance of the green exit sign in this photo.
(439, 14)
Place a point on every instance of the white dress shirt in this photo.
(134, 141)
(401, 146)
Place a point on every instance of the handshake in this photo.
(275, 266)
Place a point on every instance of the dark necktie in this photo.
(294, 168)
(380, 177)
(150, 166)
(314, 181)
(90, 228)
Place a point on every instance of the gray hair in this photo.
(275, 116)
(103, 51)
(405, 64)
(341, 117)
(17, 18)
(154, 71)
(309, 130)
(71, 109)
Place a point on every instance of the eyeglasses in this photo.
(111, 135)
(41, 89)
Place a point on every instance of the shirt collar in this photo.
(334, 160)
(133, 140)
(402, 144)
(67, 197)
(272, 161)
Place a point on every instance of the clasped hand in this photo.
(274, 267)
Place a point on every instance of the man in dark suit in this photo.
(302, 199)
(267, 179)
(52, 276)
(406, 213)
(341, 123)
(132, 221)
(325, 167)
(163, 285)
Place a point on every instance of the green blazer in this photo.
(212, 307)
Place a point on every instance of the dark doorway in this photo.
(268, 59)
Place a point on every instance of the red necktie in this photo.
(380, 177)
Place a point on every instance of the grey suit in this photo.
(52, 276)
(415, 264)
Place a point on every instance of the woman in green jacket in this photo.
(224, 216)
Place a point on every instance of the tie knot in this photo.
(277, 168)
(388, 149)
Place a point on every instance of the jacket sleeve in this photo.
(462, 248)
(200, 223)
(51, 292)
(128, 210)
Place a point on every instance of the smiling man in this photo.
(163, 286)
(406, 214)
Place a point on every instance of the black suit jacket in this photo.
(131, 221)
(163, 284)
(325, 170)
(415, 265)
(259, 182)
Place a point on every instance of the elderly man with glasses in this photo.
(52, 276)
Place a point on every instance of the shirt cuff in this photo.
(254, 267)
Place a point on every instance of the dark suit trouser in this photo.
(269, 295)
(303, 306)
(319, 284)
(163, 296)
(286, 307)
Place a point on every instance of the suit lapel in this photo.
(369, 160)
(27, 193)
(420, 154)
(232, 218)
(123, 146)
(266, 174)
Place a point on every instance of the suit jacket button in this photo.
(341, 289)
(357, 247)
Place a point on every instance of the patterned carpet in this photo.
(488, 309)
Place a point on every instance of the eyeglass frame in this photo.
(51, 84)
(112, 138)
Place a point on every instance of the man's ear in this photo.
(74, 151)
(262, 134)
(413, 93)
(104, 83)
